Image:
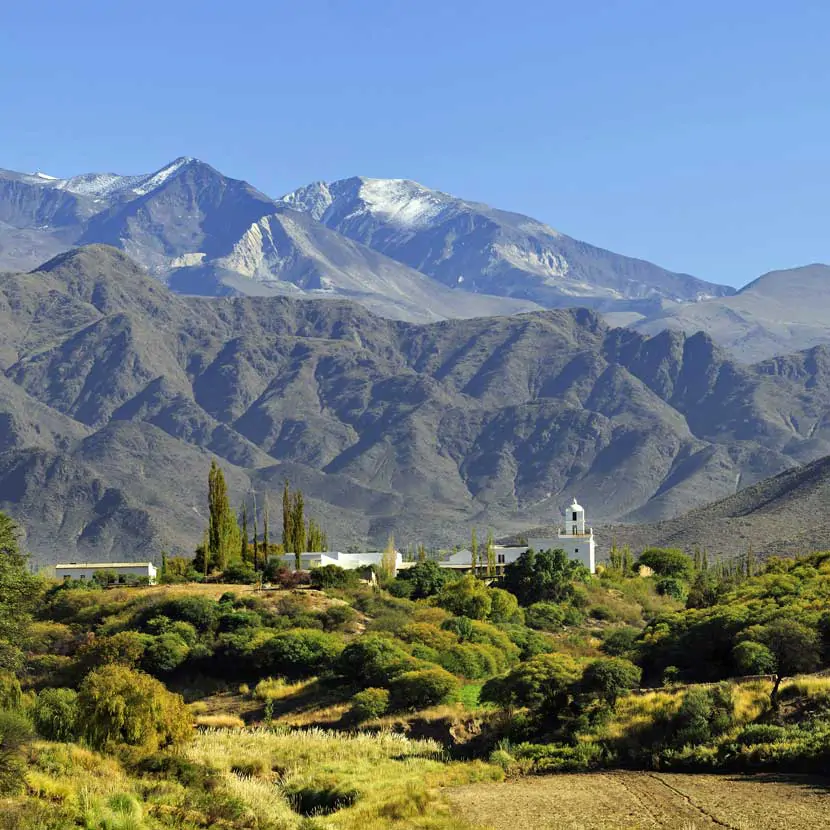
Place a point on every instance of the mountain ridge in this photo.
(419, 430)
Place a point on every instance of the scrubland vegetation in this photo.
(349, 704)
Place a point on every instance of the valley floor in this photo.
(641, 801)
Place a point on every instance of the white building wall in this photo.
(580, 548)
(88, 570)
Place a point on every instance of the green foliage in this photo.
(753, 658)
(200, 611)
(18, 592)
(504, 607)
(320, 798)
(426, 579)
(544, 576)
(667, 562)
(608, 678)
(671, 586)
(164, 654)
(794, 646)
(370, 703)
(119, 705)
(55, 714)
(224, 537)
(373, 660)
(467, 597)
(299, 653)
(542, 683)
(333, 576)
(619, 642)
(125, 649)
(15, 731)
(423, 688)
(11, 695)
(239, 573)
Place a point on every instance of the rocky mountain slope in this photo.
(784, 515)
(480, 249)
(399, 249)
(778, 313)
(115, 393)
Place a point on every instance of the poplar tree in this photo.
(256, 538)
(627, 560)
(266, 540)
(287, 529)
(244, 551)
(474, 549)
(298, 523)
(491, 554)
(223, 529)
(422, 552)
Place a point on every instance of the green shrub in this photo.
(542, 683)
(199, 611)
(11, 695)
(423, 688)
(299, 653)
(426, 579)
(15, 732)
(761, 733)
(119, 705)
(619, 642)
(239, 573)
(370, 703)
(529, 642)
(753, 658)
(667, 562)
(338, 618)
(553, 758)
(471, 660)
(333, 576)
(55, 714)
(124, 649)
(373, 660)
(165, 654)
(601, 612)
(504, 607)
(670, 586)
(466, 597)
(608, 678)
(546, 616)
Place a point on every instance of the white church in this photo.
(574, 537)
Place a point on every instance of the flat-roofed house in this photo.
(124, 571)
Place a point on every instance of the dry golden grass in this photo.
(280, 689)
(636, 801)
(219, 722)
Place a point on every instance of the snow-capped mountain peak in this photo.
(158, 178)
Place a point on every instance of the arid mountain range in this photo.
(398, 248)
(116, 392)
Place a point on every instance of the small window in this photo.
(576, 550)
(500, 559)
(574, 516)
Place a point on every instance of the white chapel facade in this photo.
(574, 537)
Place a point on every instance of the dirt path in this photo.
(643, 801)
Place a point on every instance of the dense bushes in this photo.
(298, 653)
(373, 660)
(370, 703)
(423, 688)
(119, 705)
(55, 714)
(14, 733)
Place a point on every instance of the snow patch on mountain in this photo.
(402, 203)
(157, 179)
(314, 199)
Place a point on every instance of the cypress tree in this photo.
(244, 551)
(266, 540)
(298, 523)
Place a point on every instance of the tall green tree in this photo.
(223, 528)
(266, 539)
(474, 549)
(287, 518)
(18, 591)
(298, 523)
(244, 552)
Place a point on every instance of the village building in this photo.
(124, 571)
(347, 561)
(574, 537)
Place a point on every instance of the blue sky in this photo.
(694, 135)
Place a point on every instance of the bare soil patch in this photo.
(642, 801)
